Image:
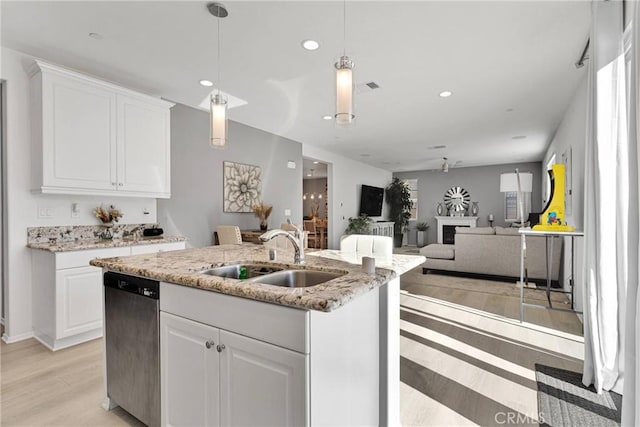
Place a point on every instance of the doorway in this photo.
(315, 201)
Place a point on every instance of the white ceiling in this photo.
(510, 65)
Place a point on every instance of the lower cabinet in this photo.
(67, 292)
(214, 377)
(78, 300)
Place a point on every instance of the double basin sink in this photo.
(273, 275)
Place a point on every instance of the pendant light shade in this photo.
(344, 91)
(218, 121)
(218, 110)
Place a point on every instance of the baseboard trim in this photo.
(15, 338)
(59, 344)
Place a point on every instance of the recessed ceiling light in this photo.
(206, 83)
(445, 94)
(327, 117)
(509, 110)
(310, 44)
(365, 155)
(95, 36)
(316, 162)
(308, 174)
(518, 137)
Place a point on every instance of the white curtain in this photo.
(631, 391)
(606, 202)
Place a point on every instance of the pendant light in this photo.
(218, 101)
(344, 81)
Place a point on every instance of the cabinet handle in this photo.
(113, 183)
(209, 344)
(120, 184)
(220, 348)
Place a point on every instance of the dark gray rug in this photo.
(564, 401)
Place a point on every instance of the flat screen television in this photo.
(371, 200)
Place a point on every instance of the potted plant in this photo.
(262, 211)
(421, 234)
(400, 204)
(359, 225)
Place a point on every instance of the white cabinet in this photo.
(95, 138)
(279, 365)
(211, 377)
(190, 383)
(78, 300)
(67, 293)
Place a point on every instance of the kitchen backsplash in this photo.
(70, 233)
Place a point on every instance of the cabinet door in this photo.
(189, 372)
(78, 300)
(261, 384)
(143, 147)
(78, 134)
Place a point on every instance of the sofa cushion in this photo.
(475, 230)
(507, 231)
(438, 251)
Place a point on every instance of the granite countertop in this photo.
(83, 244)
(186, 268)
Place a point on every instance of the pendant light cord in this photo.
(344, 27)
(218, 85)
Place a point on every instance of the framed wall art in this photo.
(242, 186)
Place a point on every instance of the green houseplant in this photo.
(359, 225)
(421, 233)
(400, 204)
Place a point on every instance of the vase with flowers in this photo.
(107, 216)
(262, 211)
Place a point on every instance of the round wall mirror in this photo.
(457, 199)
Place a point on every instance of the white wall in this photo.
(345, 178)
(22, 206)
(572, 134)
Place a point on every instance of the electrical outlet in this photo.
(45, 212)
(75, 210)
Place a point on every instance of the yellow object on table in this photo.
(552, 218)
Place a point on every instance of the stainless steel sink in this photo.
(233, 271)
(297, 278)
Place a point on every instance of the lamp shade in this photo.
(218, 121)
(344, 91)
(509, 182)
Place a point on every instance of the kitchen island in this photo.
(237, 352)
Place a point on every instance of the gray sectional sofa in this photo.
(493, 251)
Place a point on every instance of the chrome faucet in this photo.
(298, 258)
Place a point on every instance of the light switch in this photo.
(287, 212)
(75, 210)
(291, 164)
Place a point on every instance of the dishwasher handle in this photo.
(136, 285)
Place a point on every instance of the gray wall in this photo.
(483, 185)
(195, 207)
(315, 186)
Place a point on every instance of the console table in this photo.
(549, 236)
(462, 221)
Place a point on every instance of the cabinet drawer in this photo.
(158, 247)
(82, 258)
(276, 324)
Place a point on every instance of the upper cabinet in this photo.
(94, 138)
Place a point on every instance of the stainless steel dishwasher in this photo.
(132, 340)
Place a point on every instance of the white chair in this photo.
(367, 245)
(229, 235)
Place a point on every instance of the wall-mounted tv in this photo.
(371, 200)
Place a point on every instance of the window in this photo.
(413, 190)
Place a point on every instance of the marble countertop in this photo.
(83, 244)
(186, 268)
